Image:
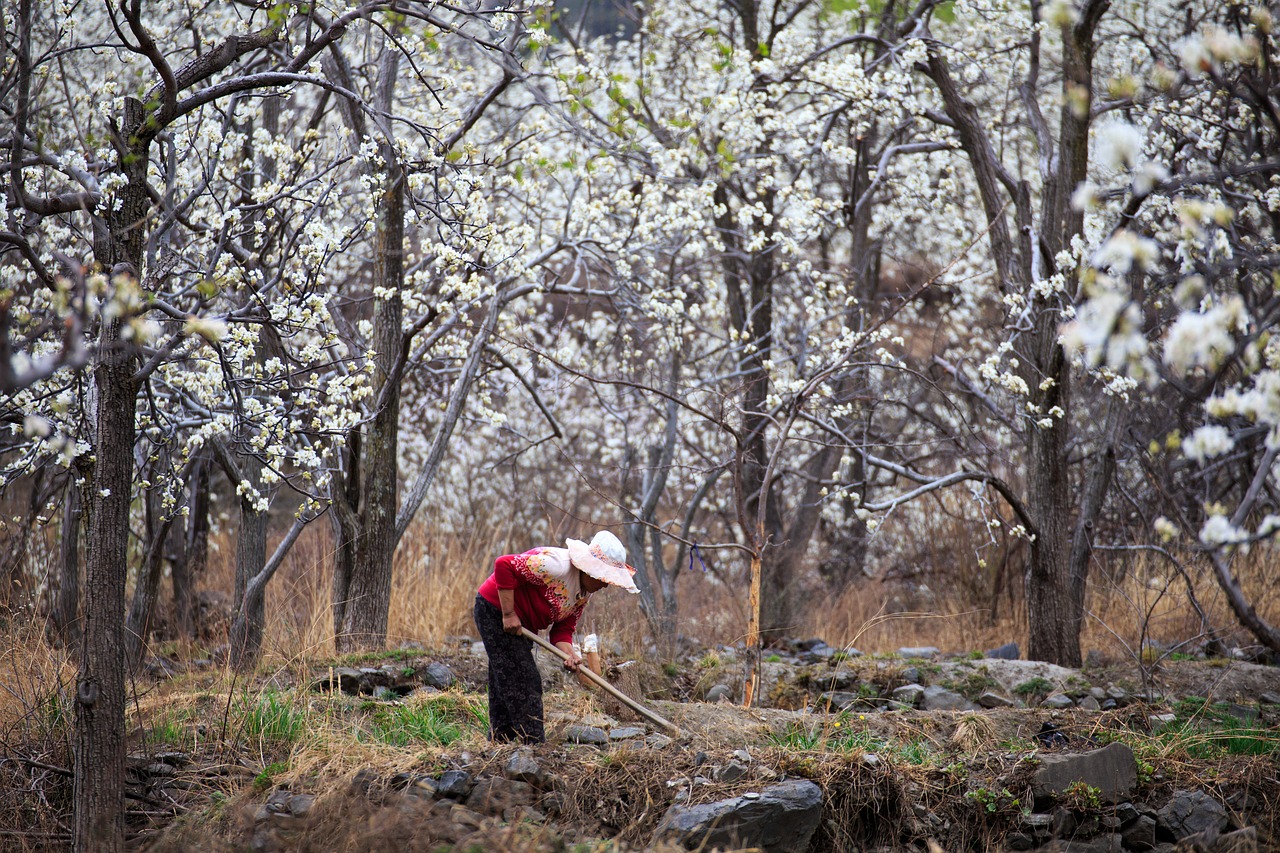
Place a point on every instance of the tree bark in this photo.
(251, 555)
(66, 596)
(137, 625)
(368, 595)
(98, 821)
(191, 553)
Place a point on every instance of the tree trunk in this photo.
(98, 821)
(191, 551)
(97, 797)
(65, 613)
(251, 555)
(137, 625)
(368, 595)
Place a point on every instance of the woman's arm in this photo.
(510, 619)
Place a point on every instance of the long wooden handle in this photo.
(622, 697)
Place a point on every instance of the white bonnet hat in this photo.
(604, 559)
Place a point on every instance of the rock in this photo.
(1109, 843)
(1019, 841)
(300, 805)
(995, 700)
(626, 733)
(1269, 698)
(1110, 705)
(454, 784)
(1126, 812)
(1119, 694)
(1111, 769)
(1241, 841)
(818, 653)
(730, 772)
(438, 675)
(1243, 713)
(1089, 703)
(841, 679)
(1098, 693)
(910, 674)
(720, 693)
(494, 795)
(806, 645)
(1161, 721)
(1141, 834)
(521, 766)
(837, 700)
(780, 819)
(1058, 701)
(365, 781)
(593, 735)
(657, 741)
(1189, 813)
(1009, 651)
(173, 758)
(908, 694)
(922, 652)
(937, 698)
(742, 755)
(1036, 824)
(344, 678)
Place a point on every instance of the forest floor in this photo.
(388, 752)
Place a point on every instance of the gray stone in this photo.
(454, 784)
(731, 772)
(1241, 841)
(522, 766)
(1118, 693)
(1140, 834)
(438, 675)
(1098, 693)
(1269, 698)
(742, 755)
(496, 796)
(995, 700)
(1036, 823)
(1161, 721)
(780, 819)
(923, 652)
(626, 733)
(1088, 703)
(344, 678)
(1109, 843)
(1058, 701)
(657, 740)
(1110, 705)
(1243, 713)
(838, 700)
(910, 675)
(1189, 813)
(1009, 651)
(841, 679)
(586, 734)
(1111, 769)
(908, 694)
(1126, 812)
(937, 698)
(300, 804)
(1019, 841)
(720, 693)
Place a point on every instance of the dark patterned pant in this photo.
(515, 686)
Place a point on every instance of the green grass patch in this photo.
(271, 718)
(439, 721)
(366, 658)
(797, 736)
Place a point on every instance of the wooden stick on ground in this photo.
(618, 694)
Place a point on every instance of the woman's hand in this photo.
(573, 661)
(511, 623)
